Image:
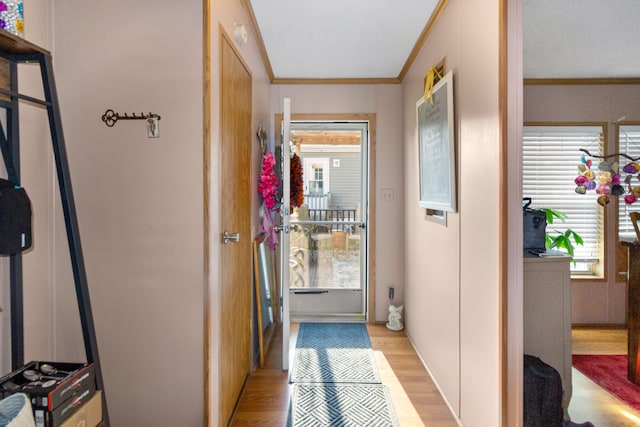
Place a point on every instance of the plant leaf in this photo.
(552, 213)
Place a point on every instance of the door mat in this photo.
(344, 405)
(610, 373)
(334, 353)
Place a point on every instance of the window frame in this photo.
(621, 252)
(599, 272)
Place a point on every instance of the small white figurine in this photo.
(395, 318)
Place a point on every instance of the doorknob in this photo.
(230, 237)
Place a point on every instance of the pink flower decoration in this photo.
(268, 183)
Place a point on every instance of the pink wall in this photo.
(452, 303)
(592, 301)
(139, 201)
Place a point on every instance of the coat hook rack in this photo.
(110, 118)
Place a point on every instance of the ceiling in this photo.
(581, 39)
(375, 39)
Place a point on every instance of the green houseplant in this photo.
(556, 239)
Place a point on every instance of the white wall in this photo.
(385, 102)
(452, 287)
(593, 301)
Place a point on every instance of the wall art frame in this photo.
(436, 147)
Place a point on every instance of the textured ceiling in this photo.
(340, 38)
(581, 38)
(364, 39)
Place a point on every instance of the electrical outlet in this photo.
(391, 292)
(386, 194)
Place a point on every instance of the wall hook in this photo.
(110, 118)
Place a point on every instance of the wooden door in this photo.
(236, 257)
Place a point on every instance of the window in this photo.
(628, 143)
(317, 180)
(551, 155)
(315, 175)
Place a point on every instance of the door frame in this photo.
(354, 117)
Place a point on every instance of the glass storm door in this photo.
(327, 236)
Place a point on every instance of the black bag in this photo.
(542, 391)
(535, 227)
(15, 218)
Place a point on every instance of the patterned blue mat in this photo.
(341, 405)
(334, 353)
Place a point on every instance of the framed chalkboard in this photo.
(436, 146)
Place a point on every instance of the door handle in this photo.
(309, 292)
(230, 237)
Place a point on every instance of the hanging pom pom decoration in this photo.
(296, 182)
(586, 177)
(608, 181)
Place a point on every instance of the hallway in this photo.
(416, 399)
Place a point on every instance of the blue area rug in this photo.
(341, 405)
(334, 353)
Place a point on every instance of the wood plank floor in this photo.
(416, 400)
(265, 400)
(589, 401)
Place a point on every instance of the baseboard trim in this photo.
(444, 397)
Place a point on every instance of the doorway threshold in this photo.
(328, 318)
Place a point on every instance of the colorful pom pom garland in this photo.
(606, 181)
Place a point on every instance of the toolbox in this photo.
(56, 390)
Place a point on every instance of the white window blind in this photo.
(551, 155)
(628, 143)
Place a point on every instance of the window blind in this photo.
(628, 143)
(551, 155)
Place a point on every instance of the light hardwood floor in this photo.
(416, 399)
(589, 401)
(417, 402)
